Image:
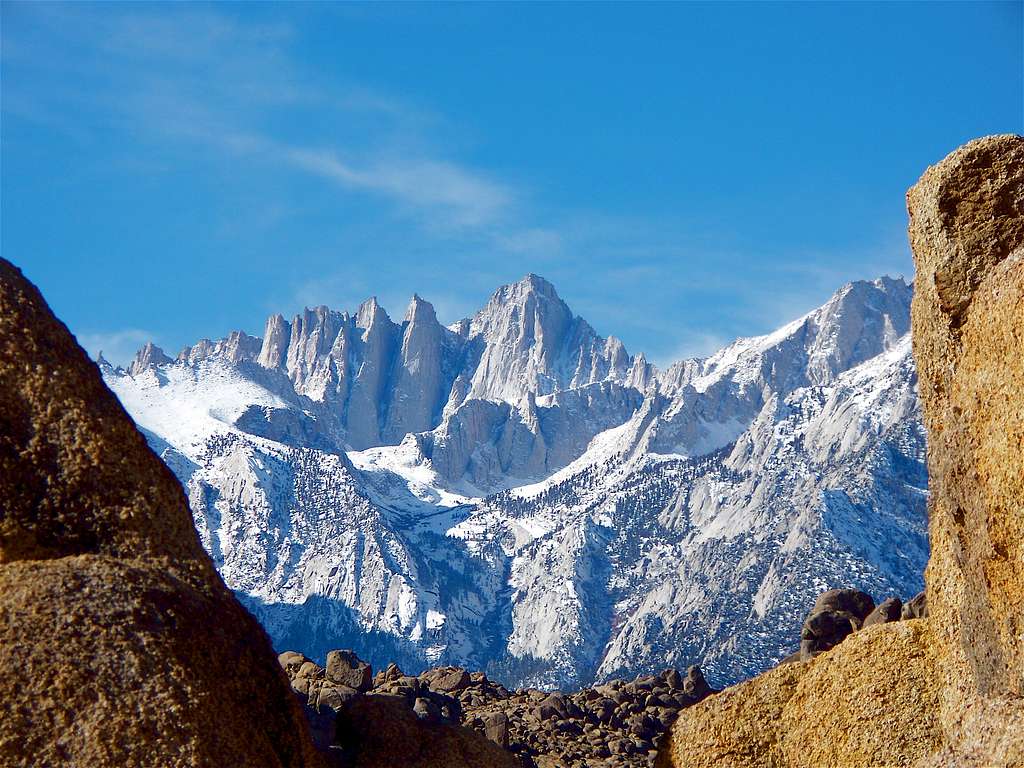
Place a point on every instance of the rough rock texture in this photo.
(967, 232)
(121, 645)
(842, 708)
(945, 690)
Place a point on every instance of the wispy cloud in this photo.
(692, 344)
(191, 83)
(200, 77)
(117, 347)
(437, 187)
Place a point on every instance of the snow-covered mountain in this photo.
(516, 493)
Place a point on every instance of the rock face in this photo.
(946, 689)
(106, 596)
(967, 232)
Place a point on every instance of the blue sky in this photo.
(683, 174)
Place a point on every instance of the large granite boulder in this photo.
(967, 232)
(945, 687)
(121, 645)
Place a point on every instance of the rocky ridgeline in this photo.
(618, 723)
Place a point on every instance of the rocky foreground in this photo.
(616, 724)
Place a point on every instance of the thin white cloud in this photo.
(465, 198)
(117, 347)
(202, 77)
(692, 344)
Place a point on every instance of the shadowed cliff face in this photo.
(946, 690)
(121, 645)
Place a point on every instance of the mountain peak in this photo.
(537, 283)
(370, 311)
(150, 355)
(420, 310)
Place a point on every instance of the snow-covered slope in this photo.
(516, 493)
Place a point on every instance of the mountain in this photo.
(518, 494)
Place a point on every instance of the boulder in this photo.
(495, 726)
(139, 654)
(695, 687)
(672, 678)
(916, 607)
(886, 611)
(446, 679)
(425, 709)
(947, 689)
(390, 672)
(825, 629)
(554, 707)
(332, 695)
(852, 601)
(345, 668)
(290, 662)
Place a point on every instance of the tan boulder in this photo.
(945, 690)
(967, 232)
(121, 646)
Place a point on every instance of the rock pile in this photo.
(945, 686)
(357, 718)
(839, 613)
(619, 723)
